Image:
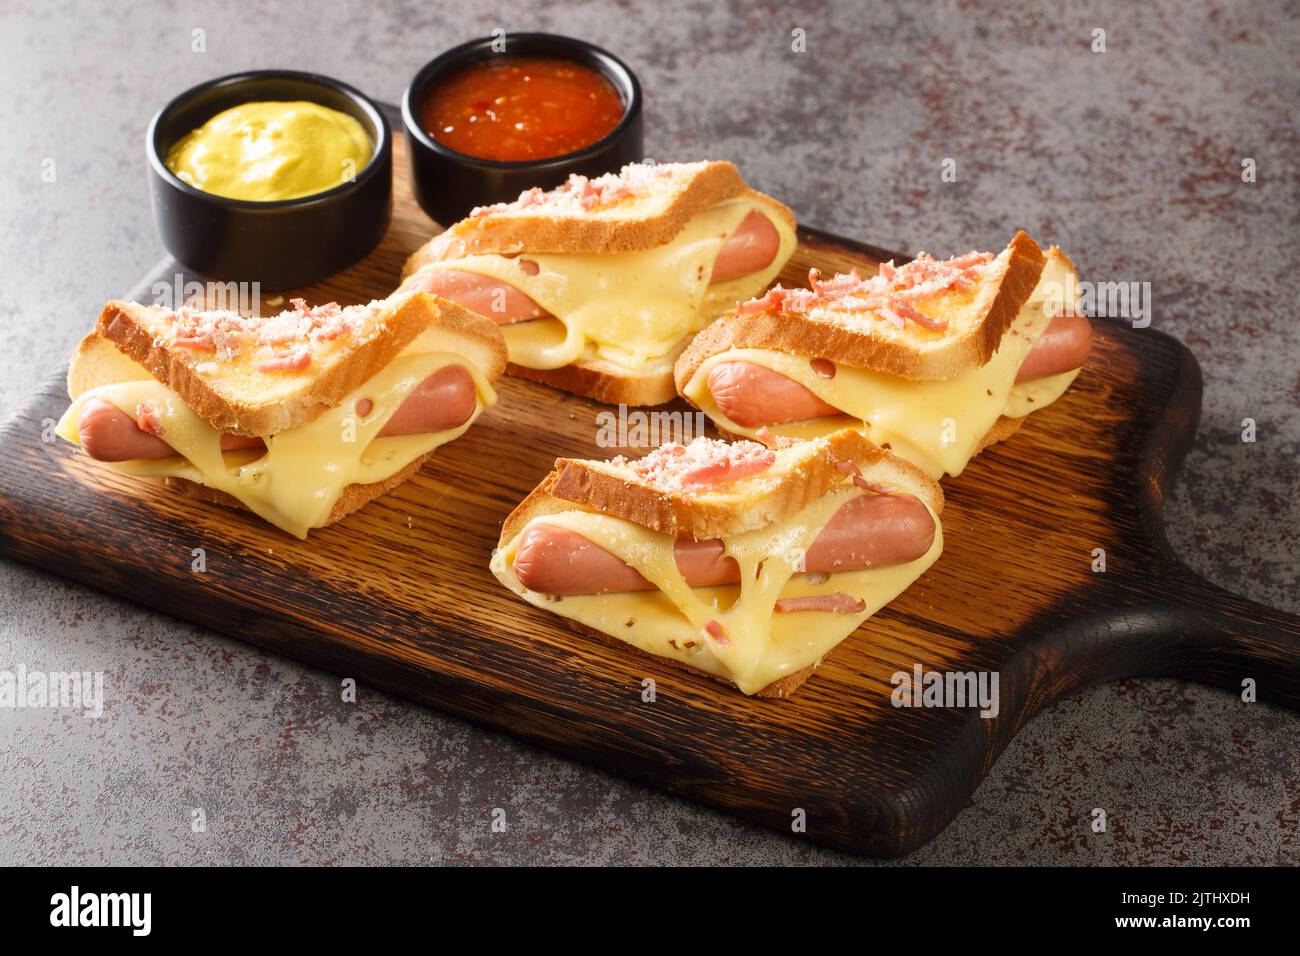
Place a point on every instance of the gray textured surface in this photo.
(1129, 159)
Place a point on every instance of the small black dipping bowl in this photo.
(282, 244)
(448, 184)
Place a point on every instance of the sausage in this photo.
(489, 297)
(446, 399)
(872, 531)
(1064, 345)
(752, 395)
(241, 442)
(751, 247)
(867, 531)
(107, 433)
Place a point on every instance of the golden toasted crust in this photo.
(640, 222)
(618, 492)
(96, 362)
(133, 329)
(488, 349)
(353, 498)
(810, 471)
(537, 502)
(1065, 262)
(1022, 264)
(606, 382)
(1002, 429)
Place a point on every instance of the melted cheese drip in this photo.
(1038, 393)
(632, 309)
(296, 482)
(761, 645)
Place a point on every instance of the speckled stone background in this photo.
(1130, 159)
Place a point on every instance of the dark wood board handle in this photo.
(1199, 630)
(1211, 635)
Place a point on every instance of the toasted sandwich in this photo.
(598, 285)
(745, 562)
(934, 360)
(301, 417)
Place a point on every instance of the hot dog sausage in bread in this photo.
(750, 248)
(751, 395)
(867, 531)
(446, 399)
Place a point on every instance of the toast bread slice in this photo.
(98, 361)
(607, 382)
(976, 323)
(1002, 429)
(648, 206)
(230, 380)
(589, 486)
(651, 491)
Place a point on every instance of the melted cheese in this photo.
(935, 425)
(1030, 396)
(632, 309)
(296, 482)
(761, 645)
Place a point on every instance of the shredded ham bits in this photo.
(704, 461)
(201, 342)
(851, 469)
(229, 334)
(582, 194)
(838, 603)
(772, 440)
(873, 486)
(146, 418)
(892, 293)
(729, 469)
(294, 360)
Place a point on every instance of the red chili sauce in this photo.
(520, 108)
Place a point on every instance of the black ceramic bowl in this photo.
(281, 244)
(448, 184)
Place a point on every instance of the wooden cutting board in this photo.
(399, 595)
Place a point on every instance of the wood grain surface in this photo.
(399, 595)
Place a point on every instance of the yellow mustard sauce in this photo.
(272, 150)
